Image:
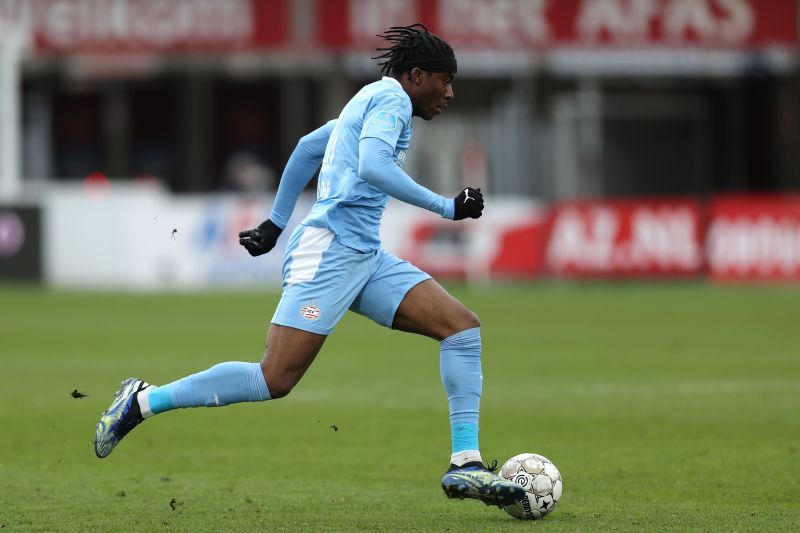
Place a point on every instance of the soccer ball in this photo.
(542, 483)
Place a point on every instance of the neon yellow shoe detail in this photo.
(120, 418)
(475, 481)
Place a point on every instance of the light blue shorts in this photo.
(322, 279)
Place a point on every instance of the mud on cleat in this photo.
(473, 480)
(120, 418)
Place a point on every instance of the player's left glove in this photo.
(468, 204)
(260, 240)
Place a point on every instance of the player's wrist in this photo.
(449, 208)
(268, 227)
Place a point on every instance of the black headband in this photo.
(447, 65)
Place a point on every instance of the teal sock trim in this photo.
(160, 399)
(464, 437)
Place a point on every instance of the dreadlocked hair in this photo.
(412, 46)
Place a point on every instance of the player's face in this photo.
(434, 92)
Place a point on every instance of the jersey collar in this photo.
(392, 80)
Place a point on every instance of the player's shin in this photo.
(223, 384)
(460, 359)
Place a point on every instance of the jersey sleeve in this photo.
(376, 166)
(386, 120)
(301, 167)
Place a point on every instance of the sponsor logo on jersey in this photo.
(401, 158)
(385, 121)
(310, 311)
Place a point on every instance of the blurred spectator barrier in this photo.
(508, 241)
(140, 237)
(20, 243)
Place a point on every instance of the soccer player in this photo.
(334, 262)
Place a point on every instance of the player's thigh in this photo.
(428, 309)
(401, 296)
(288, 355)
(390, 279)
(321, 280)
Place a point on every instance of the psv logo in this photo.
(310, 311)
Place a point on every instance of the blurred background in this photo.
(614, 138)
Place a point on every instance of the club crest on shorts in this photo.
(310, 311)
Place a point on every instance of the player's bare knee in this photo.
(466, 320)
(279, 392)
(279, 384)
(462, 321)
(471, 320)
(279, 387)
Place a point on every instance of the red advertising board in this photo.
(72, 26)
(730, 238)
(449, 250)
(506, 242)
(648, 237)
(754, 238)
(493, 24)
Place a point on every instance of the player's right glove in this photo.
(262, 239)
(468, 204)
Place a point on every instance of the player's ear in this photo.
(415, 74)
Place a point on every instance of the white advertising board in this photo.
(143, 238)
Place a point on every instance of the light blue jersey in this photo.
(346, 204)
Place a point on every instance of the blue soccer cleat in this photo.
(473, 480)
(119, 419)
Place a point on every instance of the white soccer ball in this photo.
(542, 483)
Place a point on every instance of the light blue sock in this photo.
(460, 359)
(223, 384)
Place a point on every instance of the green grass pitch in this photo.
(666, 407)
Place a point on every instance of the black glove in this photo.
(260, 240)
(469, 204)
